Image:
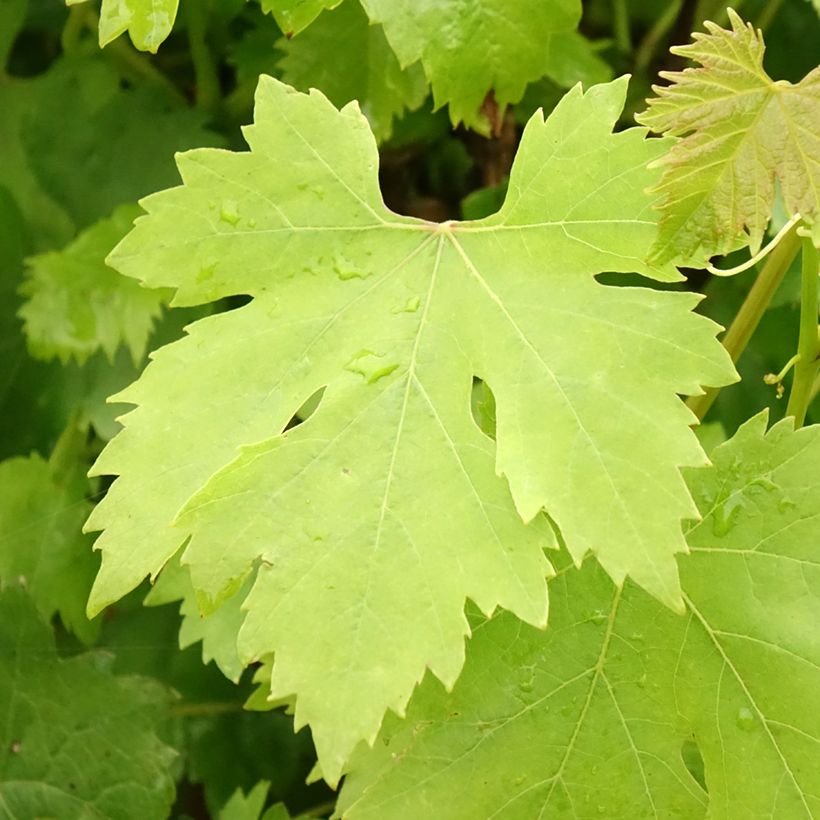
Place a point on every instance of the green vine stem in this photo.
(205, 709)
(623, 39)
(73, 29)
(808, 345)
(208, 92)
(751, 311)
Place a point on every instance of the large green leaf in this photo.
(469, 49)
(380, 514)
(743, 133)
(595, 715)
(75, 741)
(77, 305)
(363, 67)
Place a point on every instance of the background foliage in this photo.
(150, 700)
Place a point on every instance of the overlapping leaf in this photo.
(295, 15)
(364, 67)
(469, 49)
(77, 305)
(380, 514)
(593, 716)
(75, 741)
(743, 134)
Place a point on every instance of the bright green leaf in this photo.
(294, 15)
(743, 133)
(41, 540)
(363, 67)
(77, 305)
(75, 741)
(217, 630)
(595, 715)
(380, 514)
(470, 49)
(148, 22)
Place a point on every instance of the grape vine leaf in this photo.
(376, 517)
(618, 689)
(468, 49)
(148, 22)
(364, 67)
(75, 741)
(293, 16)
(77, 305)
(743, 134)
(41, 542)
(217, 630)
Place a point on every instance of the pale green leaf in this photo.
(470, 49)
(743, 134)
(380, 514)
(595, 715)
(217, 630)
(77, 305)
(148, 22)
(41, 540)
(294, 15)
(75, 741)
(363, 67)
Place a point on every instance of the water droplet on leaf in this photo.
(725, 516)
(410, 306)
(526, 685)
(230, 212)
(346, 270)
(745, 719)
(206, 272)
(372, 366)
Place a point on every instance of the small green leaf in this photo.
(246, 807)
(217, 630)
(148, 22)
(743, 134)
(77, 305)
